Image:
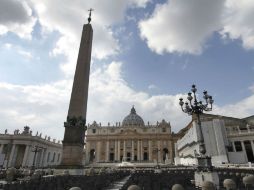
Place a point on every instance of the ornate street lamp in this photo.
(36, 149)
(194, 107)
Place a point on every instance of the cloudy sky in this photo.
(145, 53)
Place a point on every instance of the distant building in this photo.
(25, 150)
(227, 140)
(130, 140)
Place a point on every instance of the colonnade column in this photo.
(1, 148)
(233, 145)
(11, 155)
(243, 148)
(41, 157)
(107, 151)
(119, 150)
(24, 162)
(138, 150)
(44, 156)
(132, 150)
(124, 150)
(150, 153)
(115, 156)
(252, 146)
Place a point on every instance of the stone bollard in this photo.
(10, 174)
(229, 184)
(134, 187)
(26, 172)
(248, 181)
(37, 174)
(91, 172)
(66, 172)
(102, 170)
(208, 185)
(75, 188)
(177, 187)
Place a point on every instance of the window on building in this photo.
(164, 130)
(94, 130)
(128, 143)
(238, 146)
(243, 128)
(230, 147)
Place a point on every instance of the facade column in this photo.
(124, 150)
(107, 151)
(141, 150)
(132, 150)
(150, 153)
(11, 156)
(24, 162)
(119, 150)
(171, 150)
(159, 151)
(138, 150)
(87, 152)
(98, 151)
(115, 148)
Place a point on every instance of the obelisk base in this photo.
(72, 156)
(73, 143)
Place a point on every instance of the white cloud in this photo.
(67, 18)
(241, 109)
(238, 22)
(152, 87)
(16, 16)
(185, 26)
(26, 54)
(44, 107)
(19, 50)
(181, 26)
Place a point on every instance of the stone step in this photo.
(118, 184)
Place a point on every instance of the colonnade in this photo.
(23, 155)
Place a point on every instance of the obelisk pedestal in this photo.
(73, 142)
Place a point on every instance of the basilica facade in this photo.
(131, 141)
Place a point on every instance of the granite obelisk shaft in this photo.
(73, 142)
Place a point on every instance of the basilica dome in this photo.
(133, 119)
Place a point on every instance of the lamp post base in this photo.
(204, 163)
(201, 176)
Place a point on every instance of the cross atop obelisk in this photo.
(75, 126)
(90, 13)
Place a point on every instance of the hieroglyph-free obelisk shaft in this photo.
(73, 142)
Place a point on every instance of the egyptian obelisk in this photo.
(73, 142)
